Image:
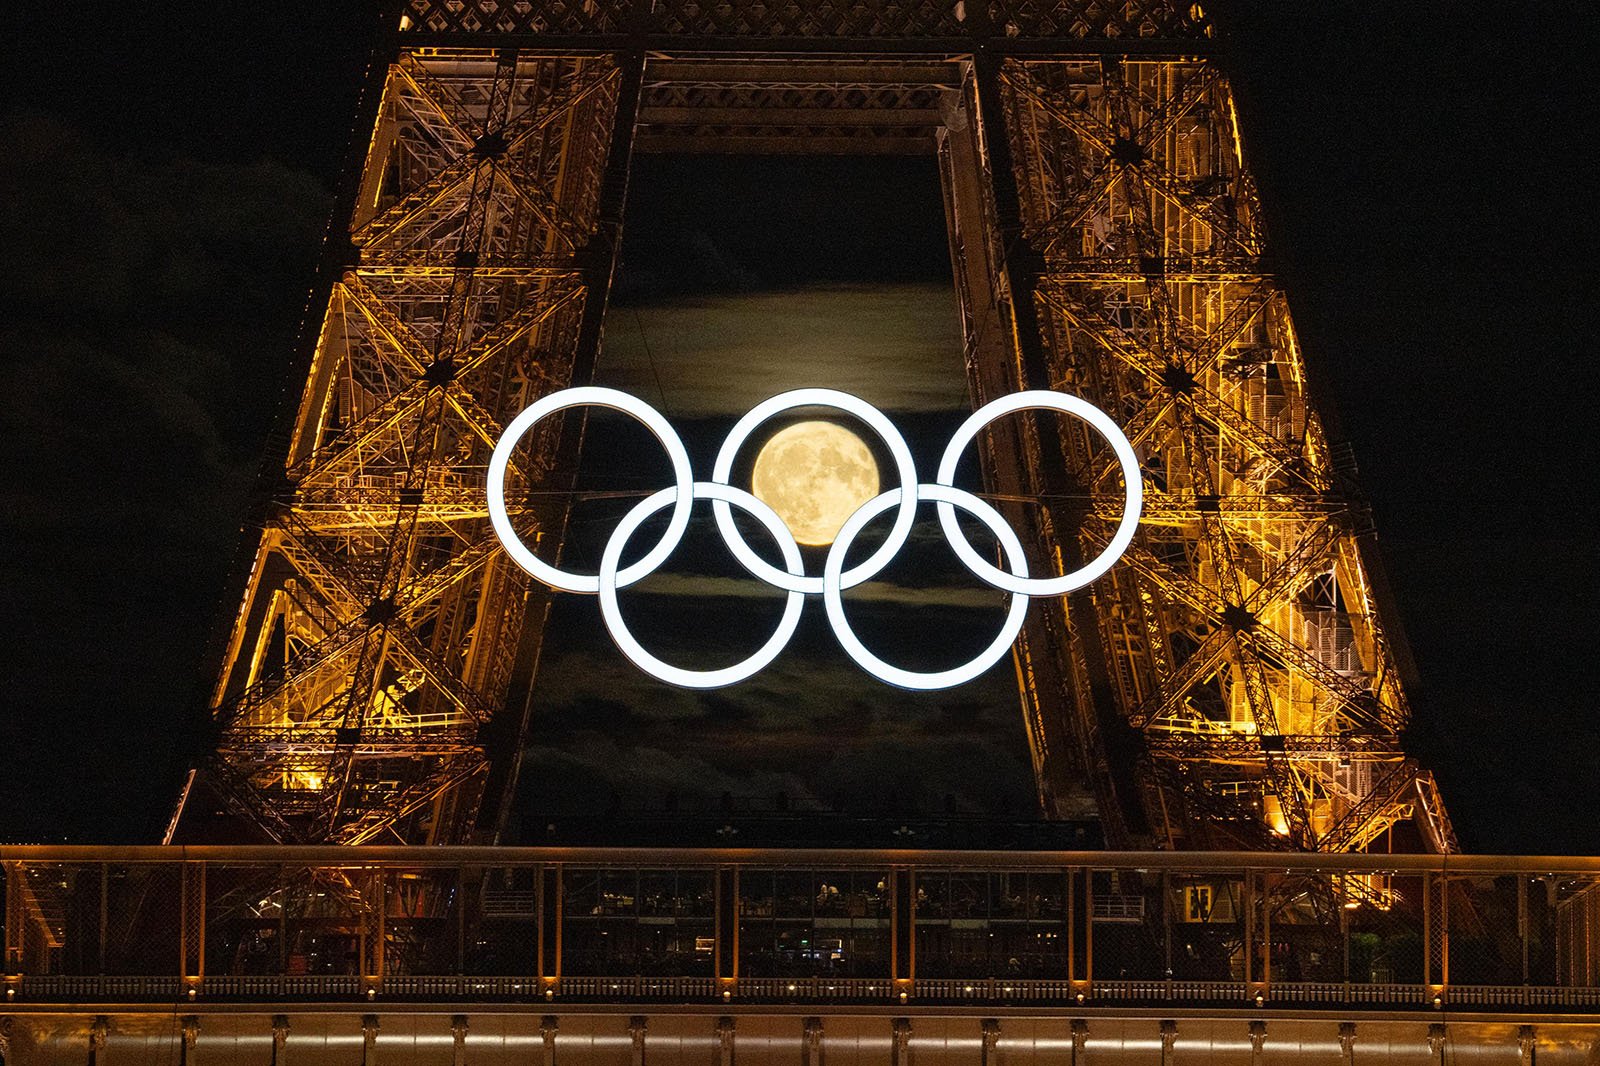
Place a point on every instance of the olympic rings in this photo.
(1133, 492)
(590, 396)
(835, 579)
(612, 613)
(833, 599)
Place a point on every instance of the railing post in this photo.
(14, 927)
(1444, 936)
(727, 930)
(1166, 924)
(1435, 936)
(283, 922)
(1344, 943)
(379, 946)
(1266, 937)
(549, 907)
(1522, 924)
(902, 928)
(1076, 920)
(105, 910)
(1427, 929)
(1086, 978)
(461, 921)
(192, 925)
(1248, 918)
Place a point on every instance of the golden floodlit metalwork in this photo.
(1236, 682)
(1235, 685)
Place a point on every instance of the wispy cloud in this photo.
(705, 585)
(896, 346)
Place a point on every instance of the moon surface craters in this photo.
(814, 475)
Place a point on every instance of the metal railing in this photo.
(822, 926)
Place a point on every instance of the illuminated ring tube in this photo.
(851, 405)
(1133, 492)
(833, 600)
(664, 671)
(590, 396)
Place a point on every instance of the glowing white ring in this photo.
(833, 599)
(590, 396)
(850, 405)
(1133, 492)
(664, 671)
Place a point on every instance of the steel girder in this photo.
(1237, 659)
(380, 631)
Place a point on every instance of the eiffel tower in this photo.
(1237, 681)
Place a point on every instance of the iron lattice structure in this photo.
(1232, 683)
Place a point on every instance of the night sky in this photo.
(164, 185)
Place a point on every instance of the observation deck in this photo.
(612, 955)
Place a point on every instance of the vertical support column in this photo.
(1344, 943)
(461, 922)
(902, 929)
(1522, 924)
(1265, 990)
(727, 930)
(549, 907)
(105, 911)
(1166, 924)
(283, 921)
(1248, 905)
(1080, 932)
(192, 925)
(13, 922)
(1436, 936)
(378, 933)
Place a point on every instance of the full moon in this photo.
(814, 475)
